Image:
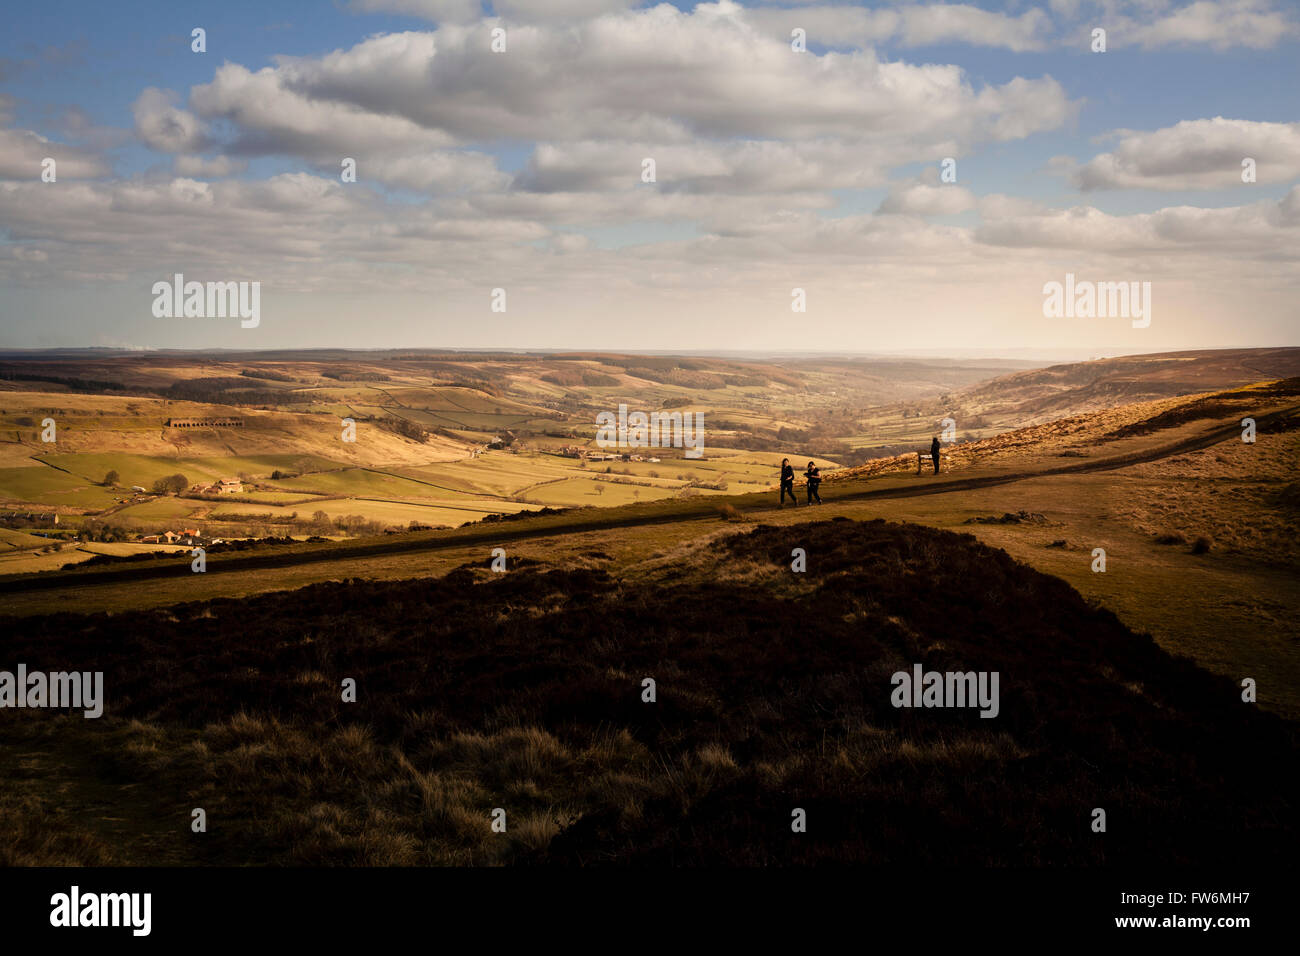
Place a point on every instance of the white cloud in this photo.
(1267, 229)
(22, 152)
(166, 127)
(1193, 154)
(1218, 24)
(656, 74)
(923, 199)
(1151, 24)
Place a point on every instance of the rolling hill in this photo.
(523, 691)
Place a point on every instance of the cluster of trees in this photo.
(678, 376)
(95, 530)
(719, 485)
(226, 390)
(73, 384)
(408, 429)
(817, 432)
(322, 523)
(171, 485)
(571, 377)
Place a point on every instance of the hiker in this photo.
(814, 476)
(787, 482)
(934, 453)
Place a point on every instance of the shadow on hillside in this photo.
(523, 691)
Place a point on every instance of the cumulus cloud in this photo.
(22, 152)
(913, 25)
(1151, 24)
(1193, 154)
(1265, 229)
(1218, 24)
(307, 230)
(924, 199)
(656, 74)
(767, 167)
(838, 25)
(596, 97)
(164, 126)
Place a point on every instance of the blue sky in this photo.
(455, 203)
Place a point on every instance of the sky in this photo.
(920, 171)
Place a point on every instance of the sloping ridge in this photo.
(1105, 383)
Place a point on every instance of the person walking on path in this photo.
(814, 476)
(934, 453)
(787, 482)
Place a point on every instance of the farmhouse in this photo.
(167, 537)
(205, 423)
(228, 486)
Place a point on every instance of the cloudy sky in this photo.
(775, 169)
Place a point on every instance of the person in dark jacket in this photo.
(934, 453)
(787, 482)
(814, 476)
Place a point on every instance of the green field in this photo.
(49, 486)
(391, 512)
(364, 481)
(575, 492)
(159, 511)
(28, 563)
(12, 540)
(144, 470)
(120, 548)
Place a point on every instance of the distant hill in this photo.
(1060, 390)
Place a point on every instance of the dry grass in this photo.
(773, 693)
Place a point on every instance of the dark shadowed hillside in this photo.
(523, 691)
